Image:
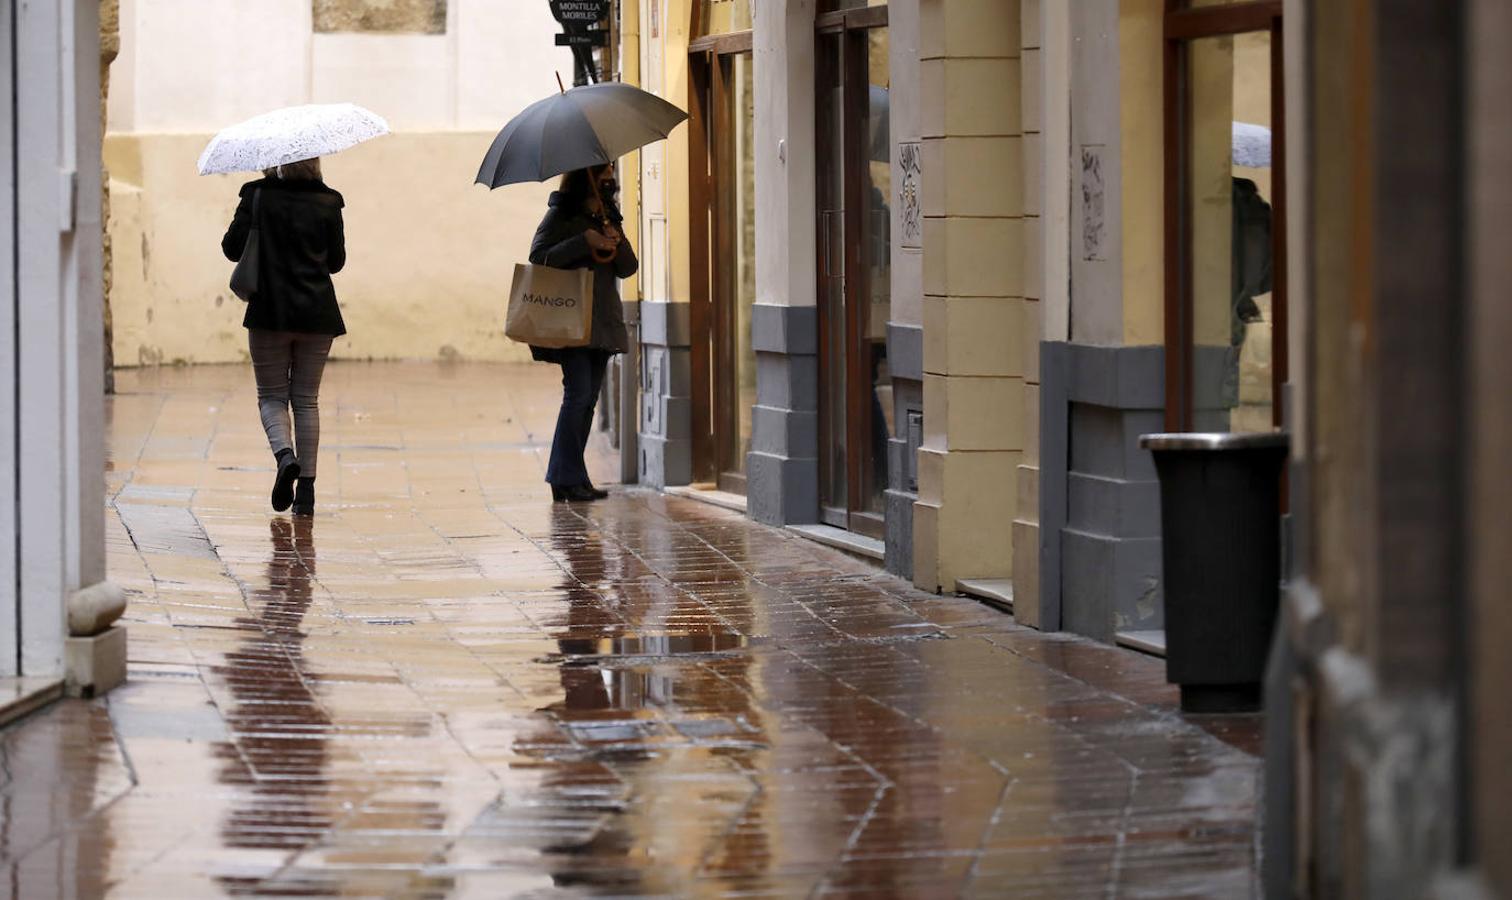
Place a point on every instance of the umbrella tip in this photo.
(561, 87)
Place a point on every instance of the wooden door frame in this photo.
(853, 27)
(710, 321)
(700, 302)
(1181, 27)
(822, 250)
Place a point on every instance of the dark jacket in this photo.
(1251, 267)
(302, 244)
(559, 243)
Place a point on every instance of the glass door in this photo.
(853, 147)
(1226, 312)
(733, 267)
(834, 483)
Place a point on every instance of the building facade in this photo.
(1388, 728)
(55, 604)
(996, 241)
(431, 254)
(864, 328)
(787, 318)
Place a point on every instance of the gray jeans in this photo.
(288, 366)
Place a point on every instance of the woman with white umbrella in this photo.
(293, 317)
(287, 238)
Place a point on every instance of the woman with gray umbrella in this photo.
(582, 230)
(581, 133)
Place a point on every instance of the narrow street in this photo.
(446, 686)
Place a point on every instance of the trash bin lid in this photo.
(1242, 440)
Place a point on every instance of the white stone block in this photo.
(95, 665)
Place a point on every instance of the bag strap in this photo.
(256, 209)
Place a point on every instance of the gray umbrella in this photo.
(586, 126)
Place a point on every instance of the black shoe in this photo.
(597, 493)
(575, 493)
(283, 485)
(304, 497)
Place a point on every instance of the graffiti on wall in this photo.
(1094, 226)
(910, 160)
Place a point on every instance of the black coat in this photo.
(302, 244)
(559, 243)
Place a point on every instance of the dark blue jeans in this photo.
(582, 378)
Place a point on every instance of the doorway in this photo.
(723, 204)
(1225, 305)
(853, 151)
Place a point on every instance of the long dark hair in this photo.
(577, 189)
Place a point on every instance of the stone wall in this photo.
(380, 16)
(974, 312)
(1369, 793)
(431, 253)
(110, 48)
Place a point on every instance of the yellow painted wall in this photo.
(661, 173)
(630, 166)
(677, 22)
(1141, 134)
(430, 254)
(975, 281)
(664, 29)
(1212, 86)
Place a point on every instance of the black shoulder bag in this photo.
(244, 276)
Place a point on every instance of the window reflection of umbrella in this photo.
(1252, 145)
(878, 117)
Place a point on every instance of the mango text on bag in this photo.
(543, 300)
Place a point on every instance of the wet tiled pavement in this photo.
(446, 686)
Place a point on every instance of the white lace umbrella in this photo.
(290, 135)
(1252, 145)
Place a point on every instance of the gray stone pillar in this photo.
(782, 486)
(1100, 499)
(905, 359)
(666, 433)
(782, 469)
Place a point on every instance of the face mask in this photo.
(609, 188)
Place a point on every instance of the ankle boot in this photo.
(283, 484)
(304, 497)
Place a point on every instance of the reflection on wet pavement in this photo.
(652, 644)
(446, 686)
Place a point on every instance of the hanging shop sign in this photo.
(583, 39)
(579, 12)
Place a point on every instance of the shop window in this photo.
(1225, 176)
